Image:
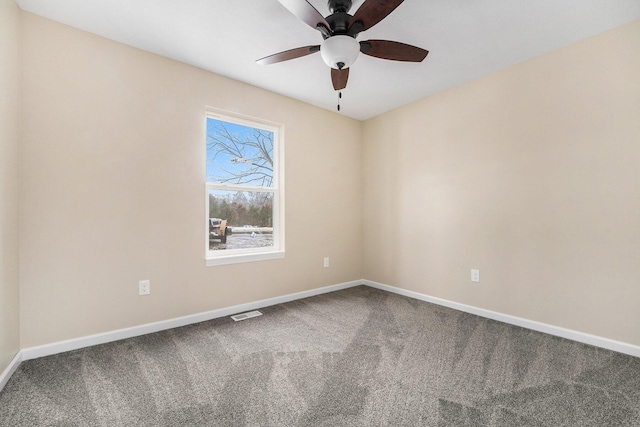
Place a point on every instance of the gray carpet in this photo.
(357, 357)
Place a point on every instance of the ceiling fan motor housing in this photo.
(339, 19)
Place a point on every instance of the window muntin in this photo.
(243, 190)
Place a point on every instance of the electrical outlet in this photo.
(326, 262)
(475, 276)
(144, 287)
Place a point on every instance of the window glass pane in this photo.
(239, 154)
(240, 219)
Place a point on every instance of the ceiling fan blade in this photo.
(395, 51)
(339, 78)
(370, 13)
(288, 54)
(305, 11)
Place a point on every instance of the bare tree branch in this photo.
(253, 149)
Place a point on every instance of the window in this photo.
(244, 200)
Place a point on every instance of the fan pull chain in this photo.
(339, 97)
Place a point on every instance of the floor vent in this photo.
(247, 315)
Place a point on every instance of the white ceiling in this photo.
(466, 39)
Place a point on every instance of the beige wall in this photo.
(532, 176)
(9, 103)
(112, 189)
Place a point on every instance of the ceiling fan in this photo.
(339, 49)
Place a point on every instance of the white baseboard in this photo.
(82, 342)
(13, 365)
(120, 334)
(609, 344)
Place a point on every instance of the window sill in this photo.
(240, 258)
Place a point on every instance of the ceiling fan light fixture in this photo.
(340, 51)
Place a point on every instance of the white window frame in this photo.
(233, 256)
